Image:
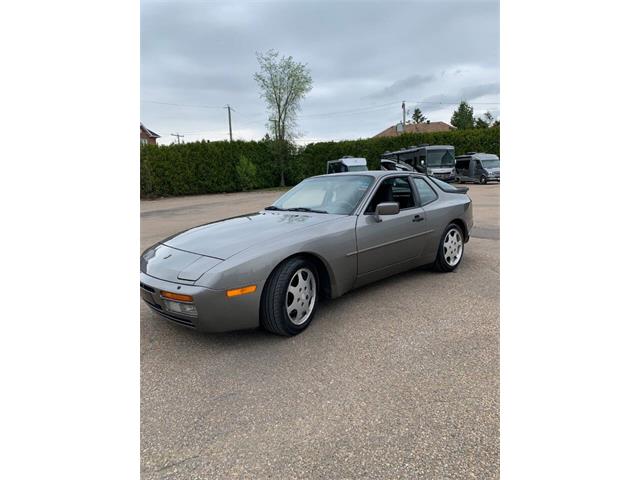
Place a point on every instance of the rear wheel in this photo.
(451, 249)
(290, 297)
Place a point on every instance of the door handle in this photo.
(418, 218)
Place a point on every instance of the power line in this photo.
(454, 103)
(353, 111)
(182, 104)
(370, 108)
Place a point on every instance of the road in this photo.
(399, 379)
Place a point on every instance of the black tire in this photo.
(273, 308)
(441, 264)
(483, 180)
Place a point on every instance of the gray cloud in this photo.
(365, 58)
(400, 87)
(466, 93)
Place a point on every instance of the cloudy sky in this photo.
(365, 58)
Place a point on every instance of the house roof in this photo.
(150, 133)
(417, 128)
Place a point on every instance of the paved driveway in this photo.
(399, 379)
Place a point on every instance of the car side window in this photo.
(397, 190)
(425, 192)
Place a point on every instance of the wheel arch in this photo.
(463, 225)
(327, 279)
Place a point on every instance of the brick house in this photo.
(147, 137)
(427, 127)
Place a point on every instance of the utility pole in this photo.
(229, 115)
(404, 114)
(178, 136)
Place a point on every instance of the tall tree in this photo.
(418, 116)
(462, 118)
(283, 84)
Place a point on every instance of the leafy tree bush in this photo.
(246, 171)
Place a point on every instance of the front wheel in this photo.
(290, 297)
(450, 250)
(483, 180)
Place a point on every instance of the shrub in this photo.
(246, 171)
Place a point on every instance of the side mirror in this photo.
(386, 208)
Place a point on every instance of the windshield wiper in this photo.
(305, 209)
(294, 209)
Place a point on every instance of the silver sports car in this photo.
(327, 235)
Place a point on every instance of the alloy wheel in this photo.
(301, 296)
(453, 246)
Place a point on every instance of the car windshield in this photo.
(440, 158)
(491, 163)
(337, 194)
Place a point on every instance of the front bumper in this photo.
(216, 312)
(445, 177)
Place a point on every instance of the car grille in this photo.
(182, 321)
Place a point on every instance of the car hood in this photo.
(175, 265)
(228, 237)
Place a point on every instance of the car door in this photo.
(394, 240)
(477, 169)
(435, 217)
(463, 169)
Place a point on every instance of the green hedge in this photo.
(214, 167)
(205, 167)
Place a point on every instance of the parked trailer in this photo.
(478, 168)
(435, 160)
(347, 164)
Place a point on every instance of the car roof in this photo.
(479, 156)
(371, 173)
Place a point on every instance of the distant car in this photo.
(347, 164)
(325, 236)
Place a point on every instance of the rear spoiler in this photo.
(461, 189)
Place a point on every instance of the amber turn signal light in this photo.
(176, 296)
(241, 291)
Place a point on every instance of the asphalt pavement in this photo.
(398, 379)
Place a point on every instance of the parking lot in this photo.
(399, 379)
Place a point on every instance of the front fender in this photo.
(332, 243)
